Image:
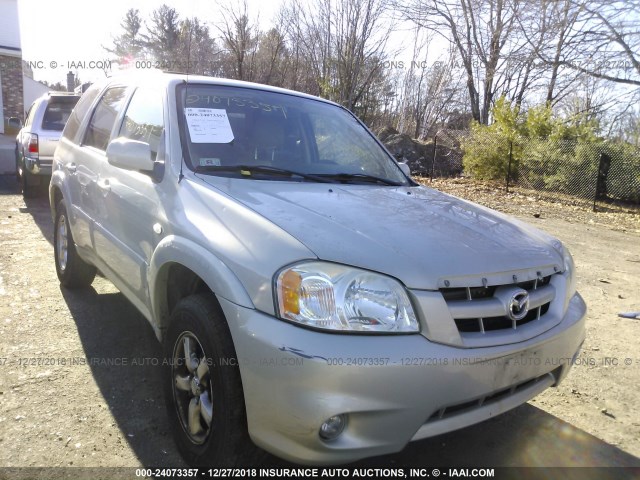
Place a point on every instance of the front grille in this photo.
(478, 309)
(498, 323)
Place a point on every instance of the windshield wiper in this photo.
(350, 177)
(249, 170)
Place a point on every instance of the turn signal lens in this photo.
(289, 286)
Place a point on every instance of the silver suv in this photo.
(38, 139)
(313, 300)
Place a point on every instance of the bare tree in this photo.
(479, 31)
(296, 74)
(563, 17)
(411, 86)
(426, 89)
(360, 40)
(612, 38)
(240, 38)
(629, 127)
(441, 89)
(272, 58)
(599, 38)
(196, 49)
(344, 43)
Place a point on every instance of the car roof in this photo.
(166, 79)
(46, 96)
(54, 93)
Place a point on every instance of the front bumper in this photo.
(394, 389)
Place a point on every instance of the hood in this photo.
(416, 234)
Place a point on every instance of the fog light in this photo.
(333, 427)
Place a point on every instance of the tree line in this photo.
(579, 59)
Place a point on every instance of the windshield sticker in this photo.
(208, 125)
(210, 162)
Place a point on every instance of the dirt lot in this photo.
(61, 405)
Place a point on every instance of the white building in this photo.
(11, 81)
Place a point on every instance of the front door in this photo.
(131, 218)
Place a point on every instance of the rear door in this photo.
(67, 156)
(87, 161)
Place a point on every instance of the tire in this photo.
(28, 183)
(204, 398)
(18, 179)
(73, 272)
(28, 191)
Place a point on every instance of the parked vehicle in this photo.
(38, 138)
(313, 300)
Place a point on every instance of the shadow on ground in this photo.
(37, 207)
(111, 330)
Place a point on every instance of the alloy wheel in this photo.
(62, 242)
(192, 387)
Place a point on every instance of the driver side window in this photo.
(104, 117)
(143, 120)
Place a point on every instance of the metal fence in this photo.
(589, 172)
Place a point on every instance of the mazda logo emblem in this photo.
(518, 306)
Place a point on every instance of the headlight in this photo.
(335, 297)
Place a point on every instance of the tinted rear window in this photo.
(58, 112)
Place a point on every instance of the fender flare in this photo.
(58, 182)
(201, 261)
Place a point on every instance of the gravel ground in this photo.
(61, 405)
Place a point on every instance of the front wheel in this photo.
(73, 272)
(203, 389)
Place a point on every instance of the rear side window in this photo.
(57, 113)
(143, 120)
(79, 112)
(104, 117)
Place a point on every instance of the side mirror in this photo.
(405, 169)
(130, 154)
(14, 122)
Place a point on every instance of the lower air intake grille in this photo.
(452, 410)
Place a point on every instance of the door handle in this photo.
(71, 167)
(103, 184)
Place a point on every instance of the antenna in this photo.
(186, 96)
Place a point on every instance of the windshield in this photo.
(242, 132)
